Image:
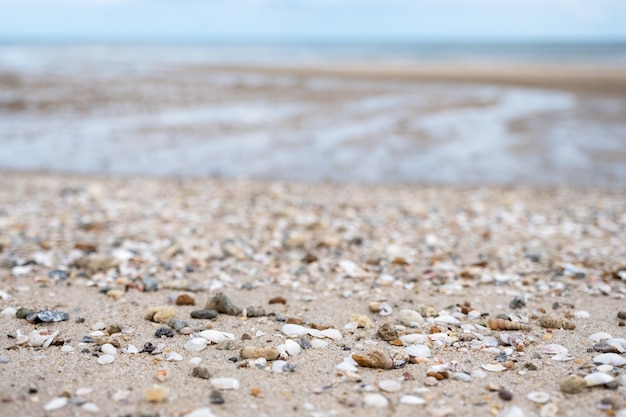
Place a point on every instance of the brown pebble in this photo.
(573, 384)
(222, 304)
(114, 328)
(505, 394)
(621, 315)
(321, 326)
(509, 364)
(256, 392)
(160, 314)
(255, 352)
(501, 324)
(387, 332)
(246, 336)
(374, 358)
(201, 372)
(551, 322)
(309, 258)
(278, 300)
(156, 394)
(294, 320)
(440, 376)
(185, 300)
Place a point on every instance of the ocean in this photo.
(264, 111)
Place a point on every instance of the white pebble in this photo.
(607, 369)
(81, 392)
(351, 325)
(346, 367)
(318, 343)
(98, 326)
(90, 407)
(539, 397)
(174, 356)
(375, 400)
(598, 378)
(109, 349)
(106, 359)
(277, 366)
(462, 376)
(493, 367)
(412, 339)
(418, 351)
(292, 347)
(132, 349)
(294, 330)
(581, 314)
(390, 385)
(410, 318)
(195, 361)
(513, 411)
(212, 336)
(610, 359)
(332, 334)
(9, 312)
(67, 348)
(225, 383)
(201, 412)
(196, 344)
(412, 400)
(55, 404)
(97, 333)
(447, 319)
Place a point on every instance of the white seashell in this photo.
(132, 349)
(600, 336)
(106, 359)
(413, 339)
(390, 385)
(212, 336)
(316, 333)
(620, 344)
(493, 367)
(410, 318)
(90, 408)
(9, 312)
(35, 339)
(474, 314)
(292, 347)
(67, 348)
(447, 319)
(462, 376)
(195, 361)
(438, 368)
(412, 400)
(512, 339)
(278, 366)
(553, 349)
(351, 325)
(385, 309)
(99, 325)
(294, 330)
(489, 341)
(581, 314)
(109, 349)
(598, 378)
(563, 357)
(332, 334)
(196, 344)
(375, 400)
(513, 411)
(549, 410)
(201, 412)
(539, 397)
(610, 359)
(173, 356)
(418, 351)
(97, 333)
(351, 269)
(318, 343)
(346, 367)
(607, 369)
(49, 339)
(55, 404)
(225, 383)
(81, 392)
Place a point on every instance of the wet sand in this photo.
(465, 251)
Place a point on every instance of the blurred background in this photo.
(390, 91)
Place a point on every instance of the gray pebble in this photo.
(204, 314)
(201, 372)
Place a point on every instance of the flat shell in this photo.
(539, 397)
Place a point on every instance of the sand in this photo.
(453, 248)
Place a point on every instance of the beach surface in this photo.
(105, 250)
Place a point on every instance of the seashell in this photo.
(551, 322)
(225, 383)
(90, 407)
(418, 351)
(278, 366)
(563, 357)
(412, 400)
(610, 359)
(385, 309)
(49, 339)
(539, 397)
(513, 411)
(109, 349)
(412, 339)
(598, 378)
(493, 367)
(447, 319)
(462, 376)
(619, 344)
(161, 375)
(318, 343)
(196, 344)
(600, 336)
(390, 385)
(346, 367)
(55, 404)
(489, 341)
(132, 349)
(501, 324)
(295, 330)
(106, 359)
(410, 318)
(374, 359)
(201, 412)
(549, 410)
(195, 361)
(375, 401)
(212, 336)
(553, 349)
(316, 333)
(332, 334)
(512, 339)
(292, 347)
(607, 369)
(174, 356)
(351, 269)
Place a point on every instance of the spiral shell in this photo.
(501, 324)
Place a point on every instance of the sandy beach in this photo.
(105, 250)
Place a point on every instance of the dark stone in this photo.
(87, 339)
(79, 320)
(164, 331)
(505, 394)
(255, 312)
(518, 302)
(21, 313)
(57, 274)
(222, 304)
(150, 284)
(201, 372)
(114, 328)
(203, 314)
(216, 398)
(177, 324)
(47, 316)
(148, 348)
(304, 343)
(387, 332)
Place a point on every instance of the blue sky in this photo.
(314, 19)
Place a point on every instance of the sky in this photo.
(326, 20)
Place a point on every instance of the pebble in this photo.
(538, 397)
(254, 352)
(462, 376)
(55, 404)
(185, 300)
(109, 349)
(551, 322)
(505, 394)
(90, 407)
(573, 384)
(412, 400)
(195, 361)
(278, 300)
(156, 394)
(418, 351)
(222, 304)
(216, 397)
(47, 316)
(447, 319)
(201, 372)
(4, 359)
(225, 383)
(362, 322)
(160, 314)
(99, 325)
(390, 385)
(196, 344)
(106, 359)
(374, 359)
(598, 378)
(201, 412)
(513, 411)
(173, 356)
(292, 347)
(375, 401)
(203, 314)
(410, 318)
(294, 330)
(493, 367)
(609, 359)
(177, 324)
(387, 332)
(413, 339)
(150, 284)
(332, 334)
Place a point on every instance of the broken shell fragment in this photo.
(551, 322)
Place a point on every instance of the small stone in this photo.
(216, 397)
(47, 316)
(573, 384)
(332, 334)
(254, 312)
(177, 324)
(156, 394)
(430, 381)
(390, 385)
(90, 407)
(292, 347)
(22, 312)
(222, 304)
(598, 378)
(196, 344)
(462, 376)
(278, 300)
(57, 274)
(106, 359)
(412, 400)
(518, 301)
(99, 325)
(621, 315)
(294, 330)
(374, 359)
(114, 328)
(185, 300)
(505, 394)
(375, 401)
(551, 322)
(115, 294)
(149, 284)
(362, 322)
(225, 383)
(410, 318)
(160, 314)
(164, 332)
(255, 352)
(538, 397)
(201, 372)
(55, 404)
(203, 314)
(387, 332)
(173, 357)
(109, 349)
(201, 412)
